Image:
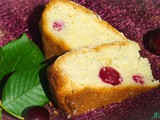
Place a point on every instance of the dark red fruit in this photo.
(35, 113)
(110, 75)
(58, 25)
(138, 79)
(155, 41)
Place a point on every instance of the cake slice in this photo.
(66, 25)
(89, 78)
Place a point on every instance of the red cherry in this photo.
(155, 41)
(58, 25)
(110, 75)
(138, 79)
(35, 113)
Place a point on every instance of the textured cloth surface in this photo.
(135, 18)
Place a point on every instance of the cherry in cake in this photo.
(58, 25)
(110, 75)
(138, 79)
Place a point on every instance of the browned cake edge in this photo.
(76, 102)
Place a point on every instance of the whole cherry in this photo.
(36, 113)
(155, 41)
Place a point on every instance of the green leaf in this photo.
(0, 52)
(19, 54)
(22, 60)
(23, 89)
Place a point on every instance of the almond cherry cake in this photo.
(89, 78)
(66, 25)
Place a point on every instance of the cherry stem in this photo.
(19, 117)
